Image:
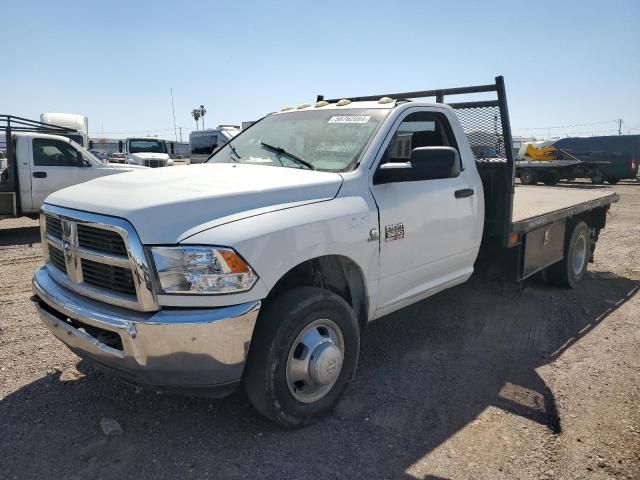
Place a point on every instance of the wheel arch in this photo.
(336, 273)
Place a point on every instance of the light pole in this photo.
(173, 110)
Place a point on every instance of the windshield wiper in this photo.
(235, 152)
(292, 156)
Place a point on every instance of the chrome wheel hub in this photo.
(579, 255)
(315, 361)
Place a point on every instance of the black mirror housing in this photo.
(431, 163)
(425, 163)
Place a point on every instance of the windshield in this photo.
(329, 140)
(204, 143)
(147, 146)
(86, 154)
(78, 138)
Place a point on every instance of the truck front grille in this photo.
(57, 259)
(54, 227)
(155, 163)
(109, 277)
(98, 256)
(101, 240)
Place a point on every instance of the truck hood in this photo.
(167, 205)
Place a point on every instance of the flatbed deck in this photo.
(535, 206)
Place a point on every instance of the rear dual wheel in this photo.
(571, 270)
(303, 355)
(527, 177)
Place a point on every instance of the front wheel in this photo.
(303, 355)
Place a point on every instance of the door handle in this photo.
(39, 174)
(465, 192)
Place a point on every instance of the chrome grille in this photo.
(97, 256)
(100, 239)
(108, 276)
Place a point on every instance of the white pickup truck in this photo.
(262, 265)
(40, 163)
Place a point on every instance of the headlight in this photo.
(202, 270)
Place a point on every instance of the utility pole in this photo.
(180, 134)
(173, 110)
(619, 126)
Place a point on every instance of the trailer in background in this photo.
(202, 143)
(77, 124)
(605, 158)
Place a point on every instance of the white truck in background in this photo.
(73, 121)
(147, 152)
(39, 163)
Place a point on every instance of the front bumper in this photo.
(193, 350)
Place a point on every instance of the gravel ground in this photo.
(480, 381)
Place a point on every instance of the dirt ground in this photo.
(479, 381)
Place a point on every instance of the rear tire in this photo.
(571, 270)
(527, 177)
(613, 181)
(291, 376)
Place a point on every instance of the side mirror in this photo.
(425, 163)
(431, 163)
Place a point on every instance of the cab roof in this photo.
(389, 105)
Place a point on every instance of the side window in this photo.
(420, 129)
(55, 153)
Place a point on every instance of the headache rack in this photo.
(9, 181)
(486, 125)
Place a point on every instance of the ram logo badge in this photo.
(394, 232)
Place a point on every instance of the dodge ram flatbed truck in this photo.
(261, 266)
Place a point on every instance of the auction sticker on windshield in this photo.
(349, 119)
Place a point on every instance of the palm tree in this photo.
(195, 113)
(203, 112)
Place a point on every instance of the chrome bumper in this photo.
(183, 349)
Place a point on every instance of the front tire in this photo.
(303, 355)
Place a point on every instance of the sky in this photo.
(570, 67)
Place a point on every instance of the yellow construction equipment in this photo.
(541, 151)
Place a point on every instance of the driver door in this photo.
(429, 230)
(55, 164)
